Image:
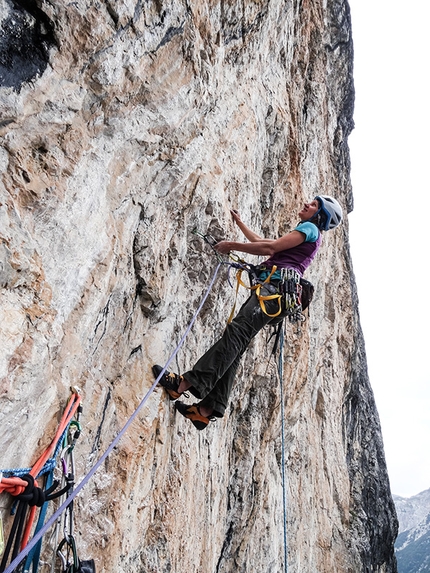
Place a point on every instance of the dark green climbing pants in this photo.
(213, 375)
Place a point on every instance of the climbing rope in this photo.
(24, 551)
(284, 484)
(27, 492)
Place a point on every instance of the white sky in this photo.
(390, 158)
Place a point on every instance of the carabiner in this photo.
(70, 541)
(211, 241)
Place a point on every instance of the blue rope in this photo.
(71, 497)
(284, 488)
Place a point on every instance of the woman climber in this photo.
(211, 378)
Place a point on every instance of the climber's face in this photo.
(309, 210)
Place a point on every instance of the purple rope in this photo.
(93, 470)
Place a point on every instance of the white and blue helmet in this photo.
(332, 211)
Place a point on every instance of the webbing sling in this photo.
(261, 298)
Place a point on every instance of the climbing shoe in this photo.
(193, 413)
(170, 382)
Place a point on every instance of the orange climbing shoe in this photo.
(170, 382)
(193, 413)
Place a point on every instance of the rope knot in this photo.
(32, 494)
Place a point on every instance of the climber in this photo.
(211, 378)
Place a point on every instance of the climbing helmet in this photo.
(332, 211)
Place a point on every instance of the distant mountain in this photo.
(413, 543)
(412, 510)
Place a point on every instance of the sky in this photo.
(390, 157)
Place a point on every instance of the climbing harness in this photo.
(285, 285)
(259, 283)
(26, 550)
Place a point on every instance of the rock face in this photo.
(126, 126)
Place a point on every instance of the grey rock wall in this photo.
(139, 122)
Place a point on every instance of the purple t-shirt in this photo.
(300, 257)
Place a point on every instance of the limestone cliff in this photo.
(124, 126)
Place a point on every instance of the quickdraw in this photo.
(223, 259)
(66, 550)
(292, 295)
(211, 241)
(69, 558)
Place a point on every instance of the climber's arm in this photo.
(263, 246)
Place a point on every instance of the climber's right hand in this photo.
(235, 215)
